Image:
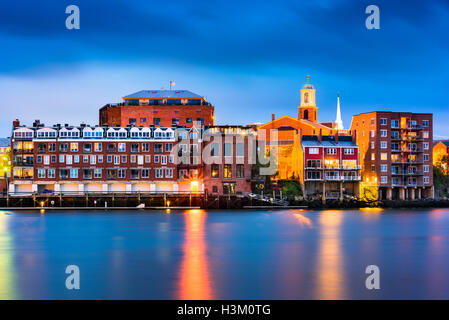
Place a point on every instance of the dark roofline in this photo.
(381, 111)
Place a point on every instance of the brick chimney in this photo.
(16, 123)
(272, 117)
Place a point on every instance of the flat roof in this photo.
(162, 94)
(4, 142)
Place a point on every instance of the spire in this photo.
(338, 121)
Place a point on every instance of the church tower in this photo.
(308, 109)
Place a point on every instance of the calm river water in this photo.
(194, 254)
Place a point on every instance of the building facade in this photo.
(166, 108)
(330, 167)
(395, 154)
(441, 155)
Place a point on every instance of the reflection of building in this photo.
(228, 170)
(289, 129)
(395, 153)
(165, 108)
(329, 167)
(441, 155)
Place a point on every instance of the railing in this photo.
(335, 168)
(406, 172)
(23, 151)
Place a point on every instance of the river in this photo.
(246, 254)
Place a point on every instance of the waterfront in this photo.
(194, 254)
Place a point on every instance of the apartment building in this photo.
(166, 108)
(77, 159)
(395, 153)
(330, 167)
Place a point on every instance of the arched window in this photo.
(306, 114)
(306, 97)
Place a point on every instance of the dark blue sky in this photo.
(249, 58)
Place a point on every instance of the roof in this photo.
(4, 142)
(445, 142)
(328, 141)
(163, 94)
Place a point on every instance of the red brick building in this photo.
(330, 167)
(396, 153)
(166, 108)
(227, 159)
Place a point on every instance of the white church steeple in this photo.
(338, 121)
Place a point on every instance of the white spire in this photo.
(338, 121)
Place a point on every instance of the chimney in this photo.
(320, 136)
(272, 117)
(336, 138)
(16, 123)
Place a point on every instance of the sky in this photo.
(248, 58)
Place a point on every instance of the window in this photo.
(426, 146)
(87, 147)
(395, 123)
(158, 148)
(100, 158)
(111, 147)
(98, 146)
(215, 171)
(373, 168)
(121, 174)
(93, 159)
(331, 151)
(169, 173)
(240, 171)
(383, 168)
(314, 150)
(163, 159)
(383, 145)
(372, 122)
(228, 188)
(122, 147)
(110, 173)
(124, 159)
(145, 173)
(372, 133)
(227, 148)
(425, 134)
(76, 158)
(426, 180)
(41, 148)
(97, 173)
(109, 159)
(63, 147)
(372, 145)
(156, 121)
(383, 179)
(349, 151)
(174, 122)
(53, 159)
(425, 123)
(189, 120)
(85, 159)
(61, 159)
(87, 173)
(383, 133)
(145, 147)
(51, 173)
(133, 158)
(227, 172)
(134, 173)
(426, 168)
(132, 121)
(143, 120)
(426, 157)
(171, 159)
(52, 147)
(68, 159)
(134, 147)
(41, 173)
(156, 159)
(74, 147)
(74, 173)
(116, 160)
(159, 173)
(200, 120)
(147, 159)
(383, 121)
(373, 156)
(38, 159)
(384, 156)
(168, 147)
(214, 189)
(64, 173)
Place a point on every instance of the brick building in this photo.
(77, 159)
(166, 108)
(330, 167)
(395, 154)
(228, 167)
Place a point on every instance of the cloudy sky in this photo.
(249, 58)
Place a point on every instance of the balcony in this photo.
(407, 173)
(342, 178)
(23, 151)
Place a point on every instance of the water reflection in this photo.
(302, 220)
(330, 266)
(195, 282)
(7, 275)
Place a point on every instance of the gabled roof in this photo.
(445, 142)
(297, 122)
(327, 141)
(163, 94)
